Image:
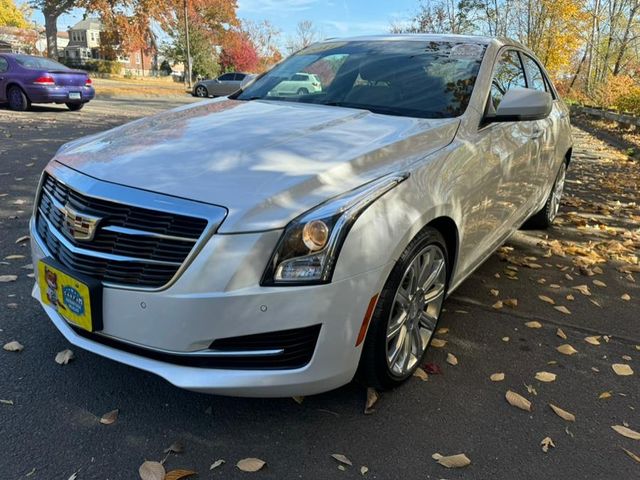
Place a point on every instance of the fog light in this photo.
(315, 235)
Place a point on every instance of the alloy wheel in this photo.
(415, 310)
(201, 91)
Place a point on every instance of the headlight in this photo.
(308, 249)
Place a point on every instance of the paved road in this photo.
(52, 428)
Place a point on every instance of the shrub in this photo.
(629, 102)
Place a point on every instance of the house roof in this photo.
(88, 24)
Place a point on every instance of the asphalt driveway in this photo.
(504, 319)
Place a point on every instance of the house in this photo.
(18, 40)
(88, 41)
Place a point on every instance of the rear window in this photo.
(424, 79)
(39, 63)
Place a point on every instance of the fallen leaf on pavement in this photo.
(109, 417)
(599, 283)
(13, 346)
(298, 400)
(421, 374)
(546, 299)
(73, 476)
(561, 334)
(342, 459)
(626, 297)
(497, 377)
(24, 238)
(631, 454)
(452, 461)
(546, 377)
(8, 278)
(216, 464)
(64, 357)
(563, 309)
(626, 432)
(518, 401)
(364, 470)
(511, 302)
(250, 464)
(505, 339)
(533, 324)
(497, 305)
(451, 359)
(546, 443)
(151, 471)
(569, 417)
(622, 369)
(432, 368)
(531, 390)
(593, 340)
(566, 349)
(583, 289)
(604, 395)
(438, 343)
(495, 292)
(372, 398)
(442, 331)
(179, 474)
(6, 402)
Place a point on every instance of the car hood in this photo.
(265, 161)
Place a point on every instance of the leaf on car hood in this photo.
(518, 401)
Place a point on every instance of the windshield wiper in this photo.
(388, 110)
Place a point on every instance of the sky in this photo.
(332, 18)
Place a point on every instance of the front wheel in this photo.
(303, 91)
(407, 312)
(74, 107)
(201, 91)
(545, 217)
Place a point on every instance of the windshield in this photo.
(39, 63)
(407, 78)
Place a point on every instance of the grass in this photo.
(138, 87)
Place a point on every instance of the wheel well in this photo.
(567, 156)
(447, 227)
(12, 84)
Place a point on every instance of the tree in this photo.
(264, 36)
(441, 16)
(11, 15)
(238, 53)
(306, 34)
(51, 10)
(203, 54)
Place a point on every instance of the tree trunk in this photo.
(575, 75)
(625, 39)
(51, 30)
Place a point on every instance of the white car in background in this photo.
(275, 245)
(298, 84)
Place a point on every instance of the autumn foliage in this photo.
(238, 53)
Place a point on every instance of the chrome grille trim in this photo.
(78, 187)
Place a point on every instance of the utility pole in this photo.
(186, 35)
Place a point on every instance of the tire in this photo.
(386, 362)
(74, 107)
(545, 217)
(17, 99)
(303, 91)
(201, 92)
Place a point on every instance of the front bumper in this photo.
(59, 94)
(218, 296)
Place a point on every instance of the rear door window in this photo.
(226, 77)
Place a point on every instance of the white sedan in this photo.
(267, 245)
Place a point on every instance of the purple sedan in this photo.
(25, 79)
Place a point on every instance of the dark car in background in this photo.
(27, 79)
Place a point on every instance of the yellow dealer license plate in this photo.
(75, 297)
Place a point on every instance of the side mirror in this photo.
(522, 104)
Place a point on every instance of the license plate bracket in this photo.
(75, 96)
(77, 298)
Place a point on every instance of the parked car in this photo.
(299, 241)
(298, 84)
(224, 85)
(27, 79)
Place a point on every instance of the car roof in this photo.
(429, 37)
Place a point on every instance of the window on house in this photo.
(138, 59)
